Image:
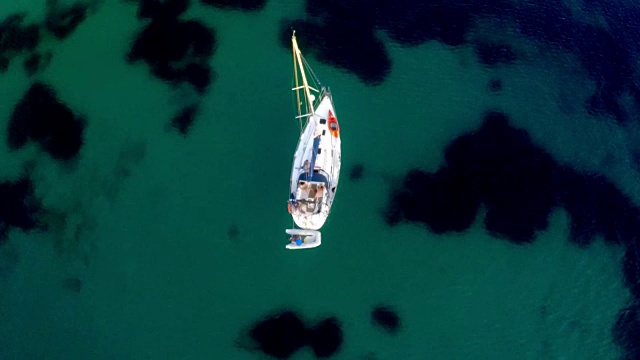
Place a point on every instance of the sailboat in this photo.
(317, 159)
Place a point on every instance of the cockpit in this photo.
(310, 193)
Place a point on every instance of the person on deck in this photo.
(296, 240)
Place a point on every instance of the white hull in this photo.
(308, 211)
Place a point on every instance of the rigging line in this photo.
(311, 71)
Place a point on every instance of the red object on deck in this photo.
(334, 127)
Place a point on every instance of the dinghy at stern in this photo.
(303, 239)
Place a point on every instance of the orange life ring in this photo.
(334, 127)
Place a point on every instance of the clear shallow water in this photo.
(140, 260)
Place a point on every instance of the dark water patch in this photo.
(361, 53)
(547, 21)
(495, 85)
(326, 337)
(356, 172)
(36, 62)
(598, 208)
(621, 19)
(72, 284)
(412, 23)
(626, 331)
(602, 53)
(199, 75)
(605, 52)
(184, 119)
(518, 183)
(233, 232)
(177, 51)
(19, 207)
(406, 22)
(610, 65)
(622, 24)
(4, 64)
(605, 103)
(244, 5)
(16, 38)
(603, 56)
(634, 90)
(635, 158)
(279, 335)
(386, 317)
(631, 269)
(493, 54)
(62, 20)
(445, 201)
(41, 117)
(322, 35)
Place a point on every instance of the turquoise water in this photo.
(138, 261)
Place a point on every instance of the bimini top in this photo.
(316, 176)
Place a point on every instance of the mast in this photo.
(305, 84)
(296, 82)
(299, 62)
